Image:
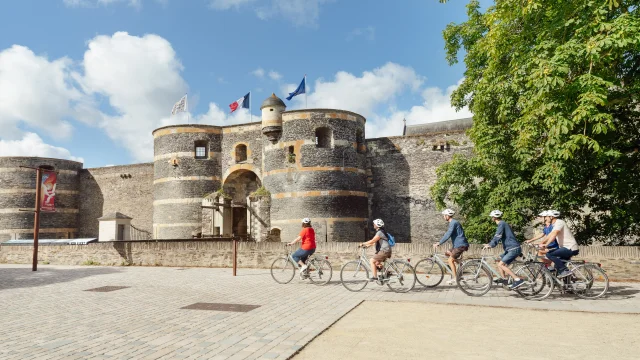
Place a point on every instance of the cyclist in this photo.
(460, 243)
(568, 246)
(308, 238)
(511, 248)
(383, 250)
(546, 218)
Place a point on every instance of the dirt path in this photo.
(420, 331)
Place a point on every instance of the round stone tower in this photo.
(187, 167)
(18, 189)
(272, 109)
(318, 170)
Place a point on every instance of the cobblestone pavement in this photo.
(48, 315)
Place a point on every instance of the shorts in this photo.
(508, 256)
(457, 252)
(381, 256)
(302, 254)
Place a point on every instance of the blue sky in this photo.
(90, 79)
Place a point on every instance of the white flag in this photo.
(180, 106)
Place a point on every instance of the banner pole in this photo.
(186, 108)
(306, 105)
(250, 113)
(36, 219)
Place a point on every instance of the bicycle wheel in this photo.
(401, 277)
(429, 273)
(354, 275)
(537, 279)
(320, 272)
(591, 282)
(282, 270)
(474, 279)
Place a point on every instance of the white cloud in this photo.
(373, 94)
(32, 145)
(259, 72)
(274, 75)
(220, 117)
(361, 94)
(369, 33)
(299, 12)
(140, 76)
(35, 91)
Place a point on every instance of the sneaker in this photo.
(379, 281)
(452, 282)
(563, 274)
(501, 282)
(373, 279)
(303, 268)
(516, 284)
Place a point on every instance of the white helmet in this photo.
(553, 213)
(378, 222)
(496, 214)
(544, 213)
(448, 212)
(306, 221)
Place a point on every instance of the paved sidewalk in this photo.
(48, 315)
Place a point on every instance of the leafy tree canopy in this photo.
(554, 87)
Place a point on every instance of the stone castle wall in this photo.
(18, 192)
(402, 169)
(127, 189)
(341, 186)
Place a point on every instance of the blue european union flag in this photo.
(299, 90)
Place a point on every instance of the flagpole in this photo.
(250, 113)
(306, 105)
(186, 107)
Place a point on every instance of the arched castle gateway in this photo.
(255, 180)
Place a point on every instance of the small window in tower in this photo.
(270, 109)
(241, 153)
(323, 137)
(359, 140)
(291, 156)
(201, 149)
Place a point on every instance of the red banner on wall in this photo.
(48, 195)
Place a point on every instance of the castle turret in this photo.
(272, 109)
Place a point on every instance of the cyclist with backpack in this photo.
(383, 241)
(459, 240)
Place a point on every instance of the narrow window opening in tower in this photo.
(291, 155)
(359, 140)
(201, 149)
(323, 137)
(241, 153)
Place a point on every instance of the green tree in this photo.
(554, 87)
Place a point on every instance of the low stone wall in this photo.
(621, 263)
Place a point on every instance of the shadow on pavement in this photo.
(23, 277)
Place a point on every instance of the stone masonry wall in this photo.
(127, 189)
(621, 263)
(402, 171)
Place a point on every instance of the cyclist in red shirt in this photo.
(308, 238)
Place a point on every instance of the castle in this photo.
(203, 179)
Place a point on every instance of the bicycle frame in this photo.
(362, 259)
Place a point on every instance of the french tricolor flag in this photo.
(243, 102)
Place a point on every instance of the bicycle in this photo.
(587, 280)
(398, 274)
(430, 270)
(319, 269)
(475, 277)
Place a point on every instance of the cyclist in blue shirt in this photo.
(548, 227)
(460, 243)
(511, 247)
